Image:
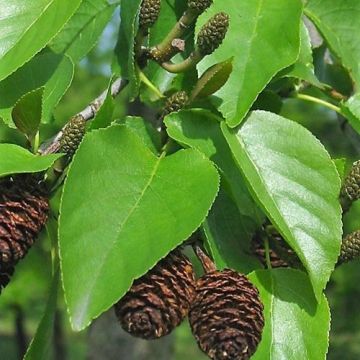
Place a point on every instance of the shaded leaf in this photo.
(201, 130)
(26, 113)
(124, 51)
(146, 132)
(296, 326)
(229, 234)
(296, 183)
(26, 28)
(132, 211)
(104, 115)
(41, 346)
(304, 68)
(338, 22)
(54, 72)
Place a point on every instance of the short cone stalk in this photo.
(199, 5)
(212, 34)
(24, 208)
(175, 103)
(149, 13)
(158, 301)
(350, 247)
(72, 135)
(226, 316)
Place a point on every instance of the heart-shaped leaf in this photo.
(293, 318)
(295, 181)
(131, 211)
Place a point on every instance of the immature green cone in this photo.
(24, 208)
(72, 135)
(175, 103)
(350, 190)
(226, 316)
(158, 301)
(149, 13)
(199, 5)
(350, 247)
(212, 34)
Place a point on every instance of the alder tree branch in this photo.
(87, 114)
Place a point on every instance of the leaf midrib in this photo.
(86, 302)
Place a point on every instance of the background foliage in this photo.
(56, 56)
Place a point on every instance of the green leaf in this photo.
(124, 51)
(296, 183)
(54, 72)
(260, 46)
(296, 326)
(200, 129)
(82, 31)
(104, 116)
(146, 132)
(26, 28)
(229, 234)
(212, 79)
(41, 346)
(339, 22)
(351, 110)
(17, 160)
(26, 113)
(340, 167)
(304, 68)
(133, 209)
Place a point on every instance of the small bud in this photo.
(350, 247)
(212, 34)
(351, 187)
(149, 13)
(73, 133)
(199, 5)
(175, 103)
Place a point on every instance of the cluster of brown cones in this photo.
(224, 308)
(24, 210)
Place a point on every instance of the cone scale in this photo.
(158, 301)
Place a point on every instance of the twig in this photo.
(88, 113)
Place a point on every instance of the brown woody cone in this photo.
(226, 316)
(23, 212)
(281, 255)
(158, 301)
